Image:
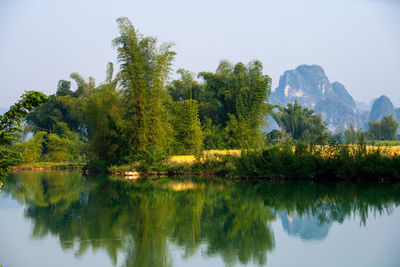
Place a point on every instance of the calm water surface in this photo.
(66, 219)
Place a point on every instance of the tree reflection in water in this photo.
(219, 217)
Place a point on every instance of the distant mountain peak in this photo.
(309, 85)
(382, 106)
(341, 92)
(306, 83)
(311, 71)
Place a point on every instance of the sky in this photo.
(357, 42)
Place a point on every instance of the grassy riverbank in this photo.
(300, 161)
(338, 162)
(287, 161)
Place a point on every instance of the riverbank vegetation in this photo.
(286, 162)
(138, 118)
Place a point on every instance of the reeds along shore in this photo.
(344, 162)
(287, 161)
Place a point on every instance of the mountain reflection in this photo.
(307, 227)
(230, 219)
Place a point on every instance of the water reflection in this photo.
(219, 217)
(307, 227)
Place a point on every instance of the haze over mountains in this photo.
(310, 86)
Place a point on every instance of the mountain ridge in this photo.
(310, 86)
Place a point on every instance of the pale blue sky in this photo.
(357, 42)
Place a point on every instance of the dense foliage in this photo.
(352, 136)
(235, 99)
(377, 131)
(301, 123)
(383, 130)
(10, 126)
(144, 70)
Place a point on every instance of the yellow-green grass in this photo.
(388, 151)
(189, 159)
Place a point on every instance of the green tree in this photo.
(63, 145)
(240, 134)
(383, 130)
(10, 125)
(235, 97)
(103, 114)
(85, 89)
(186, 125)
(375, 130)
(61, 149)
(301, 123)
(144, 69)
(353, 136)
(185, 88)
(213, 135)
(217, 100)
(65, 108)
(64, 88)
(350, 134)
(31, 150)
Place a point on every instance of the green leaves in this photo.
(9, 122)
(10, 125)
(144, 69)
(301, 123)
(186, 124)
(383, 130)
(85, 89)
(235, 97)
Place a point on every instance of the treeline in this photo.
(377, 130)
(136, 114)
(302, 124)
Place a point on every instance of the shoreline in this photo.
(284, 162)
(134, 175)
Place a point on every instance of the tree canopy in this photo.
(144, 69)
(301, 123)
(10, 125)
(383, 130)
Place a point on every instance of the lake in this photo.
(67, 219)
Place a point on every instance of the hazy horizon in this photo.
(356, 42)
